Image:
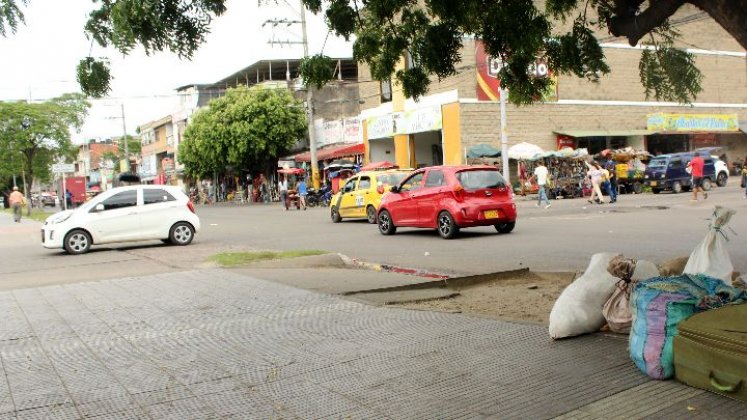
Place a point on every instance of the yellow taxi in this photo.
(360, 196)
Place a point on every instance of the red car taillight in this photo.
(191, 206)
(458, 193)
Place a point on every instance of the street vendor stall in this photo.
(629, 166)
(293, 199)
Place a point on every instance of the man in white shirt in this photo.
(283, 190)
(540, 173)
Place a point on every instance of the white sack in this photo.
(578, 310)
(711, 257)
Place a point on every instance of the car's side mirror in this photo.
(394, 189)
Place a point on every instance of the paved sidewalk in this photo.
(215, 344)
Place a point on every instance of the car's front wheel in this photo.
(335, 215)
(181, 234)
(447, 227)
(386, 225)
(77, 242)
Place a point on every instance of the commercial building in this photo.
(463, 111)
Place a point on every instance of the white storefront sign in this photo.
(148, 166)
(337, 131)
(60, 168)
(409, 122)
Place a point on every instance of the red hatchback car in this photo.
(448, 198)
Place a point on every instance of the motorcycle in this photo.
(319, 197)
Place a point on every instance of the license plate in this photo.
(653, 183)
(491, 214)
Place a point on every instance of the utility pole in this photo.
(315, 179)
(126, 143)
(504, 137)
(310, 107)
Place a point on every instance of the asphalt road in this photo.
(562, 238)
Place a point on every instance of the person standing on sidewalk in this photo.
(283, 190)
(696, 170)
(17, 201)
(540, 174)
(303, 191)
(744, 177)
(612, 178)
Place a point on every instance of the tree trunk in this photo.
(730, 14)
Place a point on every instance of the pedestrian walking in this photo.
(744, 177)
(69, 199)
(595, 174)
(522, 178)
(612, 179)
(696, 170)
(283, 191)
(540, 175)
(303, 191)
(211, 192)
(17, 201)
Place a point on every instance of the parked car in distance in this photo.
(48, 199)
(669, 172)
(360, 196)
(124, 214)
(449, 198)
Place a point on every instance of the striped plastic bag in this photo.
(659, 305)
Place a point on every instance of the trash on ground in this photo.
(616, 310)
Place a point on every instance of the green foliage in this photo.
(93, 77)
(515, 31)
(317, 70)
(234, 259)
(10, 16)
(35, 135)
(668, 73)
(176, 25)
(244, 127)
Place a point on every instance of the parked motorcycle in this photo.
(319, 197)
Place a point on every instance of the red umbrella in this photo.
(379, 165)
(291, 171)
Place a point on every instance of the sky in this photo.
(38, 61)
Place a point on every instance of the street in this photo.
(152, 331)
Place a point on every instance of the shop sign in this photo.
(286, 164)
(423, 119)
(332, 132)
(488, 68)
(148, 166)
(693, 122)
(704, 140)
(380, 127)
(352, 130)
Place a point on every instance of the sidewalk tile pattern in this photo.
(213, 344)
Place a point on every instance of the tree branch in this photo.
(731, 15)
(634, 27)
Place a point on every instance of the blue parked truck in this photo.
(669, 172)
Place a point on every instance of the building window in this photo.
(386, 90)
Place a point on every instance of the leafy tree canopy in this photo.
(431, 33)
(34, 135)
(243, 128)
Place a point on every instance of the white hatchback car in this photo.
(124, 214)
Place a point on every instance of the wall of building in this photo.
(480, 122)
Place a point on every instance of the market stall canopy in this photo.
(332, 152)
(483, 150)
(378, 165)
(291, 171)
(524, 151)
(604, 133)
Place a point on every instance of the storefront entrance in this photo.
(381, 149)
(428, 149)
(596, 144)
(659, 144)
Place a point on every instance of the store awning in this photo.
(483, 150)
(332, 152)
(604, 133)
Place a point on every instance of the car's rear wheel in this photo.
(386, 225)
(447, 227)
(721, 179)
(655, 190)
(706, 184)
(335, 215)
(77, 242)
(371, 214)
(181, 234)
(505, 227)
